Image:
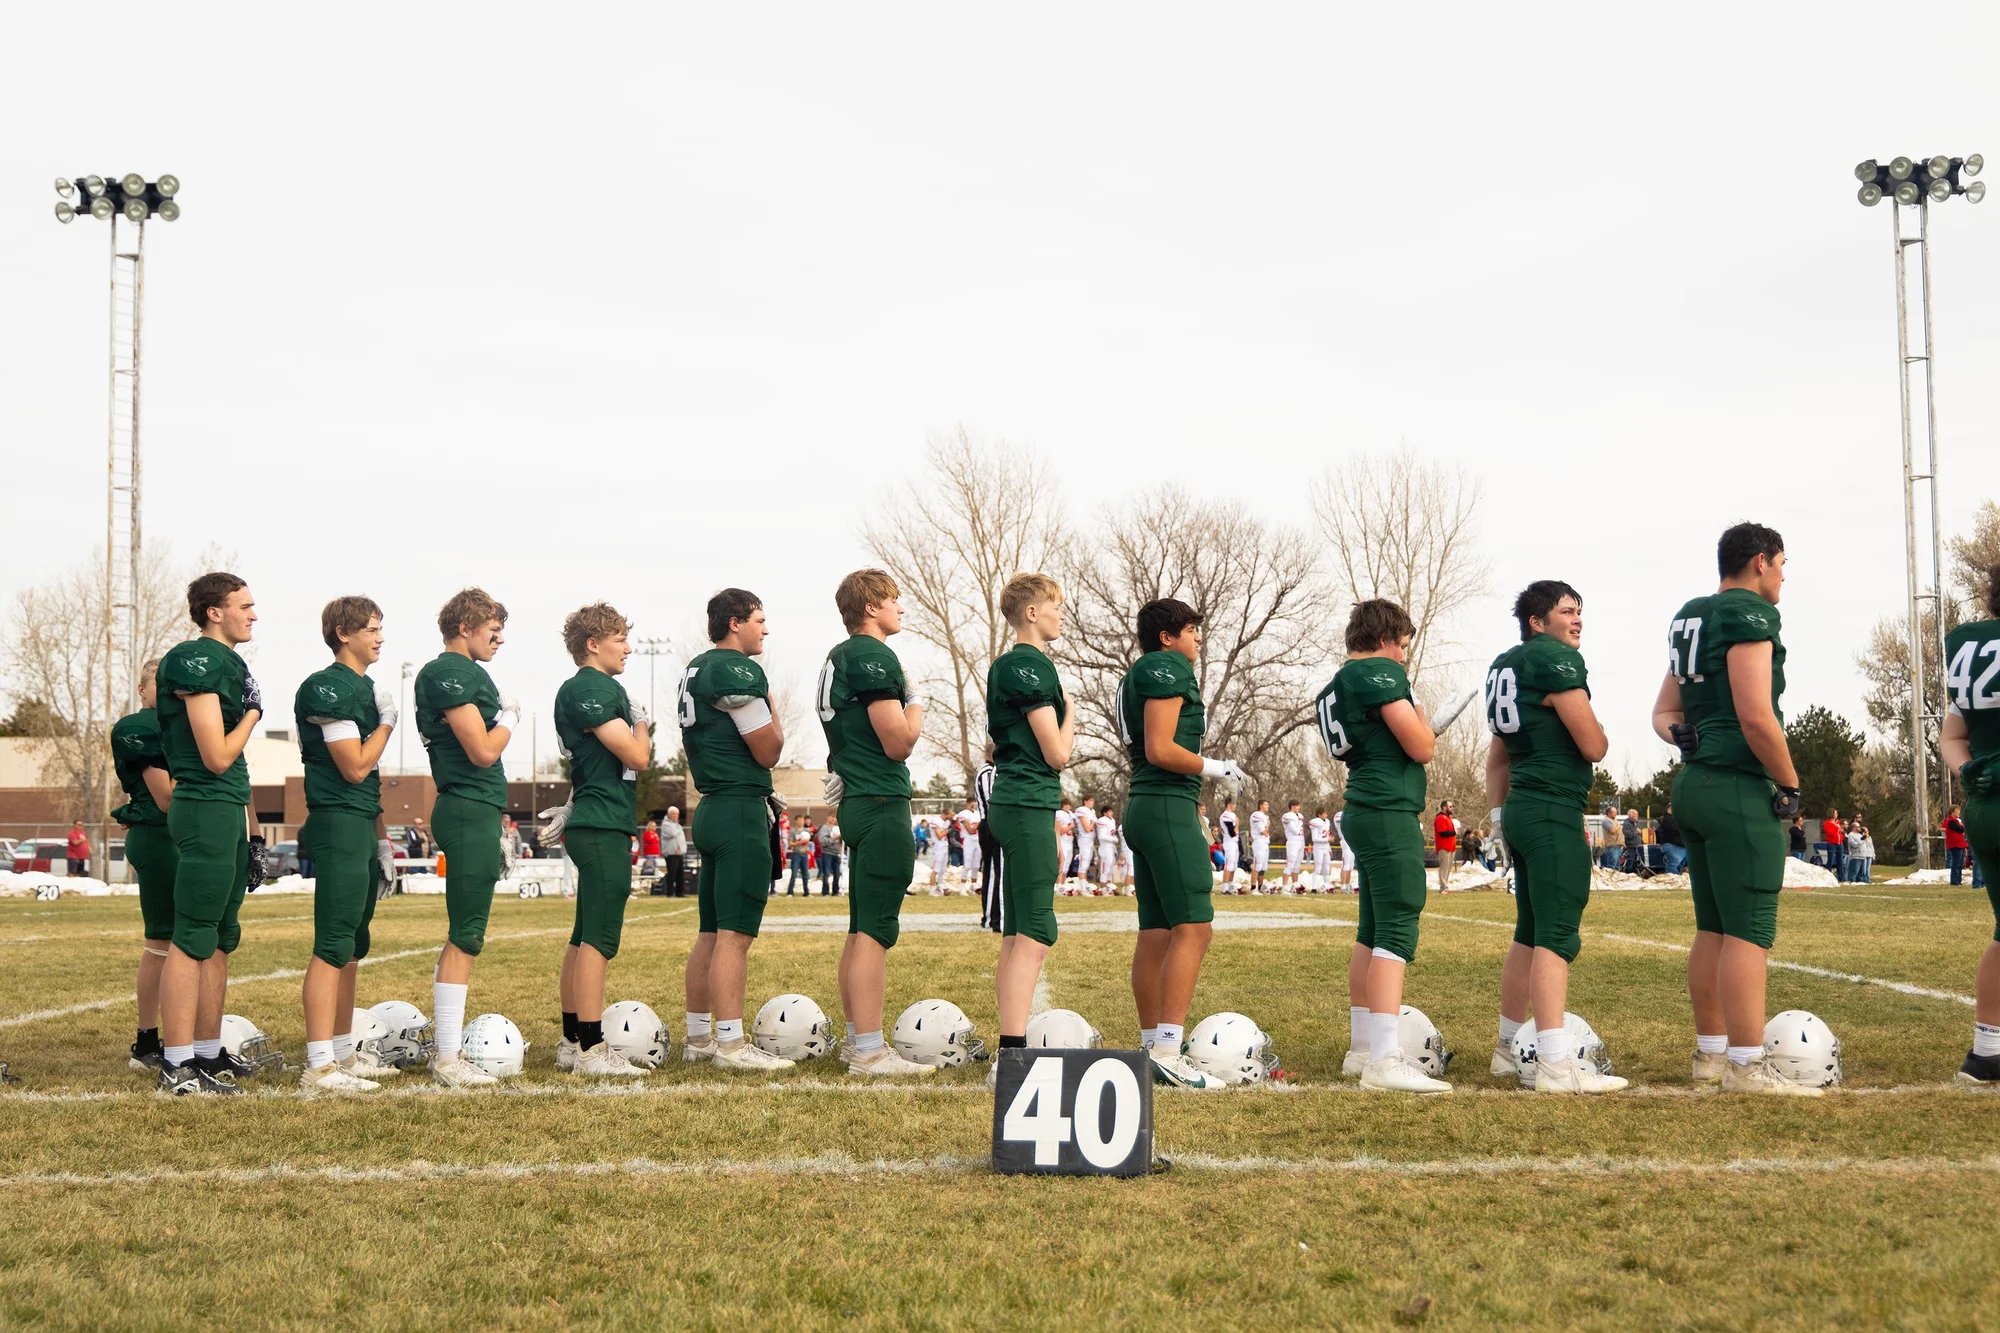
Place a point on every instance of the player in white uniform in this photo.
(1346, 855)
(1065, 843)
(1260, 845)
(968, 841)
(1322, 835)
(1086, 840)
(1107, 849)
(940, 851)
(1232, 844)
(1295, 848)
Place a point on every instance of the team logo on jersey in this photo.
(327, 693)
(450, 686)
(196, 665)
(1026, 675)
(132, 742)
(1564, 667)
(591, 706)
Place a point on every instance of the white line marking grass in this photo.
(1074, 922)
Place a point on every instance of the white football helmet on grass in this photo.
(1585, 1047)
(1232, 1048)
(1063, 1030)
(408, 1042)
(936, 1032)
(792, 1027)
(494, 1045)
(632, 1029)
(1803, 1049)
(1422, 1042)
(250, 1043)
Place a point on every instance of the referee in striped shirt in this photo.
(989, 847)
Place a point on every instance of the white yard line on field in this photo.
(131, 934)
(1075, 922)
(1900, 987)
(294, 973)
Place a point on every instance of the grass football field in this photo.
(807, 1201)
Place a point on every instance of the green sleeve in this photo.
(1164, 676)
(443, 685)
(334, 699)
(1379, 682)
(740, 676)
(186, 671)
(1737, 620)
(875, 673)
(1554, 669)
(1029, 684)
(587, 704)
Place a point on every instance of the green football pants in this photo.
(341, 846)
(881, 855)
(1389, 848)
(1172, 877)
(211, 876)
(468, 833)
(1982, 830)
(603, 886)
(150, 852)
(733, 835)
(1027, 837)
(1736, 851)
(1551, 873)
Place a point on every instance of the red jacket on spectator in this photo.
(1446, 833)
(1831, 831)
(1954, 832)
(649, 842)
(79, 845)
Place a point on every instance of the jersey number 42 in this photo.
(1966, 692)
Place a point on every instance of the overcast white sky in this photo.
(637, 305)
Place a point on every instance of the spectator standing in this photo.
(1444, 832)
(1955, 845)
(1868, 856)
(1674, 852)
(801, 847)
(417, 839)
(1635, 844)
(1610, 844)
(78, 850)
(1798, 836)
(1857, 870)
(649, 849)
(1833, 843)
(673, 850)
(830, 849)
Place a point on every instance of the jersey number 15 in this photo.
(1330, 729)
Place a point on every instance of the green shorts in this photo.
(341, 846)
(733, 835)
(1027, 837)
(468, 833)
(1551, 873)
(880, 857)
(603, 886)
(150, 852)
(1389, 848)
(1736, 851)
(1171, 873)
(1982, 830)
(211, 876)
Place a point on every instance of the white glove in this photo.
(777, 803)
(1447, 712)
(555, 820)
(1493, 819)
(835, 788)
(1226, 769)
(509, 715)
(913, 700)
(385, 705)
(640, 718)
(385, 856)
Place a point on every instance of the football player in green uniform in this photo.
(344, 721)
(607, 737)
(139, 759)
(465, 721)
(1369, 721)
(1971, 745)
(1733, 796)
(1161, 721)
(208, 705)
(1033, 730)
(872, 720)
(733, 740)
(1545, 738)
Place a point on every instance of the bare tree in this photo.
(980, 512)
(1265, 606)
(1405, 528)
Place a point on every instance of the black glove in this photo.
(260, 857)
(1686, 737)
(1785, 802)
(252, 696)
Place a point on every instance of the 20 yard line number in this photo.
(1035, 1115)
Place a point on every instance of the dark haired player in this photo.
(140, 762)
(1971, 745)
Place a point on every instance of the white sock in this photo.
(1553, 1056)
(179, 1055)
(1743, 1055)
(1147, 1038)
(1383, 1043)
(343, 1047)
(701, 1026)
(1986, 1038)
(1508, 1027)
(1357, 1027)
(850, 1032)
(448, 1025)
(731, 1029)
(1169, 1036)
(864, 1042)
(1711, 1045)
(207, 1050)
(319, 1054)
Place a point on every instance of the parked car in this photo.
(7, 846)
(48, 855)
(284, 860)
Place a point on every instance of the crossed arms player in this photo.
(1971, 746)
(139, 760)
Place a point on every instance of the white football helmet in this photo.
(495, 1045)
(1063, 1030)
(634, 1031)
(1585, 1046)
(409, 1042)
(250, 1043)
(1422, 1042)
(936, 1032)
(792, 1027)
(1802, 1048)
(1232, 1048)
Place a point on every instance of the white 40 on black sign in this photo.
(1073, 1113)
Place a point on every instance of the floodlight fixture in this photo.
(1871, 194)
(65, 189)
(132, 183)
(169, 186)
(169, 211)
(1867, 170)
(135, 210)
(1975, 192)
(100, 208)
(1940, 189)
(1907, 193)
(1900, 169)
(1938, 166)
(94, 185)
(129, 196)
(64, 213)
(1974, 165)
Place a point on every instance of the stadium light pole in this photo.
(652, 648)
(1918, 183)
(132, 199)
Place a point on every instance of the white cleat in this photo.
(363, 1064)
(459, 1072)
(697, 1049)
(742, 1055)
(1708, 1068)
(1399, 1073)
(1576, 1079)
(1503, 1064)
(1353, 1063)
(883, 1062)
(1173, 1069)
(332, 1080)
(1761, 1076)
(600, 1061)
(566, 1053)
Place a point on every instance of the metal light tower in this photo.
(1917, 183)
(133, 199)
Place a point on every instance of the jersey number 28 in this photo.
(1503, 703)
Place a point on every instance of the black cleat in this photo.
(178, 1080)
(8, 1079)
(233, 1065)
(146, 1059)
(218, 1082)
(1979, 1071)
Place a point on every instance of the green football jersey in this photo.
(448, 681)
(605, 792)
(1164, 674)
(201, 666)
(1542, 758)
(1379, 775)
(340, 700)
(136, 745)
(718, 758)
(1021, 680)
(861, 671)
(1698, 645)
(1972, 690)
